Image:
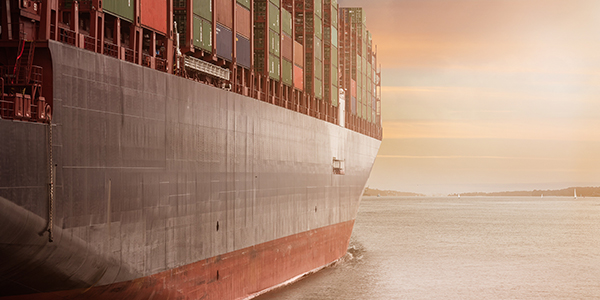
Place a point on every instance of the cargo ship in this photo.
(180, 149)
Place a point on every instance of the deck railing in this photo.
(89, 43)
(66, 36)
(130, 55)
(111, 49)
(161, 64)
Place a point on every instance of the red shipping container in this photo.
(225, 13)
(353, 84)
(286, 46)
(298, 77)
(242, 21)
(298, 54)
(153, 14)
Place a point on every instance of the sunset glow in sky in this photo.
(487, 95)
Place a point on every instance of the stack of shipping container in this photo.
(306, 55)
(267, 30)
(313, 49)
(138, 31)
(298, 48)
(359, 78)
(330, 45)
(218, 33)
(287, 49)
(272, 50)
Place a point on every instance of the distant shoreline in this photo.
(567, 192)
(383, 193)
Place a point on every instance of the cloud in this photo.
(584, 130)
(469, 157)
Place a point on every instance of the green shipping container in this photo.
(334, 37)
(274, 17)
(286, 22)
(274, 43)
(318, 27)
(276, 2)
(364, 67)
(334, 75)
(287, 72)
(318, 49)
(334, 56)
(274, 67)
(202, 33)
(318, 89)
(334, 96)
(334, 16)
(121, 8)
(318, 69)
(358, 16)
(366, 101)
(319, 8)
(244, 3)
(204, 9)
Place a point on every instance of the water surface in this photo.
(464, 248)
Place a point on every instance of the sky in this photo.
(487, 95)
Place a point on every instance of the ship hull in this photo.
(162, 183)
(235, 275)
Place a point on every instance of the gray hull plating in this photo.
(154, 171)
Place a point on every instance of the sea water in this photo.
(464, 248)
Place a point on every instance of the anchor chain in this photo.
(51, 175)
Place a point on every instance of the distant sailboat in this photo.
(458, 195)
(542, 196)
(575, 193)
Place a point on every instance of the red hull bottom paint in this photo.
(233, 275)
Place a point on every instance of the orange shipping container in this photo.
(298, 54)
(225, 13)
(286, 46)
(298, 77)
(154, 14)
(242, 21)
